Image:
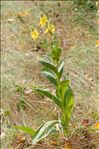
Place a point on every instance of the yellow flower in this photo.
(51, 29)
(47, 30)
(34, 34)
(43, 21)
(97, 126)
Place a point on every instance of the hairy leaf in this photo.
(62, 88)
(50, 76)
(68, 103)
(43, 131)
(49, 95)
(60, 68)
(56, 52)
(69, 98)
(48, 63)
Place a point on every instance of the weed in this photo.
(63, 97)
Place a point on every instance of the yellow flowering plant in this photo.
(63, 96)
(43, 21)
(96, 126)
(34, 34)
(50, 29)
(46, 24)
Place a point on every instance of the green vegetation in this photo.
(63, 98)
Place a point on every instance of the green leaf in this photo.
(69, 98)
(48, 63)
(56, 52)
(50, 76)
(48, 59)
(43, 131)
(60, 68)
(62, 88)
(68, 103)
(27, 130)
(49, 95)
